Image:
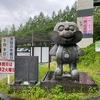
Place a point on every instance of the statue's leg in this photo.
(73, 70)
(59, 69)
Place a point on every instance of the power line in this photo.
(14, 5)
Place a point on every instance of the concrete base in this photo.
(6, 97)
(18, 87)
(69, 84)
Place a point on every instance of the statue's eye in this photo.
(61, 28)
(71, 28)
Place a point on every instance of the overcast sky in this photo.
(18, 11)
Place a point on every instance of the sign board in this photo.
(8, 48)
(26, 69)
(7, 63)
(97, 46)
(87, 25)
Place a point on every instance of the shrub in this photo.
(73, 96)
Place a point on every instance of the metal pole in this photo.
(32, 45)
(8, 78)
(32, 39)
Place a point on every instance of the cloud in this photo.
(18, 11)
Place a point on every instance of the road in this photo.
(18, 54)
(23, 53)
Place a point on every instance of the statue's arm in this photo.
(80, 51)
(53, 50)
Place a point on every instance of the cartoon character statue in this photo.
(65, 36)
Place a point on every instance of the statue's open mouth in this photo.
(68, 38)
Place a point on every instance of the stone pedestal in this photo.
(68, 83)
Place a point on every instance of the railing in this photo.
(96, 2)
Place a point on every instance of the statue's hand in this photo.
(66, 55)
(80, 52)
(53, 50)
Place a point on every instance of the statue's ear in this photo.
(54, 35)
(78, 36)
(54, 32)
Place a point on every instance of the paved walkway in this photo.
(95, 98)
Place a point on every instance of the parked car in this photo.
(20, 49)
(25, 50)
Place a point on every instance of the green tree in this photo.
(5, 32)
(60, 15)
(12, 30)
(0, 32)
(66, 14)
(96, 33)
(73, 15)
(27, 26)
(20, 30)
(97, 9)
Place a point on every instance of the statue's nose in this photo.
(67, 28)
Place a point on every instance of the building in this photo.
(85, 21)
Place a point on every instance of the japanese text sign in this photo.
(8, 48)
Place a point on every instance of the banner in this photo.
(87, 25)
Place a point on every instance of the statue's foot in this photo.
(75, 73)
(58, 72)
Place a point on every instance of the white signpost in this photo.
(97, 46)
(7, 62)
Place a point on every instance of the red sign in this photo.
(6, 70)
(7, 66)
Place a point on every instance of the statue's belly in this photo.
(69, 55)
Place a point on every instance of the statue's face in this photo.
(66, 33)
(66, 30)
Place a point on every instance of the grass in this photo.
(89, 63)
